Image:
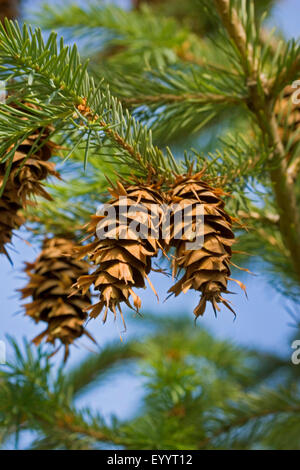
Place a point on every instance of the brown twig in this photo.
(237, 32)
(294, 170)
(170, 98)
(67, 422)
(270, 219)
(112, 135)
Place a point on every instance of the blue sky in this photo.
(262, 320)
(286, 17)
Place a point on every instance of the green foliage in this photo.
(136, 34)
(201, 393)
(51, 77)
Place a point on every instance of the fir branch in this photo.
(70, 422)
(286, 199)
(137, 36)
(165, 98)
(197, 396)
(262, 217)
(179, 99)
(236, 31)
(59, 73)
(288, 68)
(284, 193)
(294, 170)
(254, 409)
(26, 399)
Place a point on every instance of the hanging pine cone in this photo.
(122, 263)
(288, 115)
(24, 181)
(30, 166)
(51, 277)
(10, 217)
(207, 268)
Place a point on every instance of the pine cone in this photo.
(51, 277)
(10, 217)
(122, 263)
(24, 181)
(27, 171)
(207, 268)
(288, 115)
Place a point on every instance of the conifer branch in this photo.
(200, 393)
(250, 417)
(271, 219)
(294, 170)
(34, 398)
(69, 427)
(162, 98)
(236, 31)
(68, 422)
(285, 198)
(134, 35)
(284, 193)
(58, 72)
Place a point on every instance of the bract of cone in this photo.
(122, 263)
(288, 115)
(50, 279)
(205, 269)
(30, 166)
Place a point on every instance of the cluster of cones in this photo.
(124, 264)
(56, 269)
(60, 280)
(21, 181)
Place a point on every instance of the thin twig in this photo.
(170, 98)
(294, 170)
